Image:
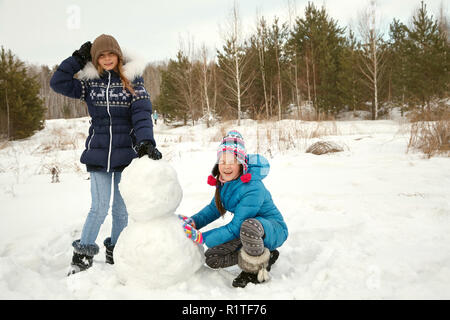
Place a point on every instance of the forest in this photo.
(308, 67)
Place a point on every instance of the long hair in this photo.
(218, 201)
(125, 81)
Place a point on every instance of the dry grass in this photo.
(430, 137)
(61, 139)
(4, 144)
(283, 136)
(221, 132)
(323, 147)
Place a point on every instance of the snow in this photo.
(153, 249)
(150, 189)
(371, 222)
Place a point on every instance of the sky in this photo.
(48, 31)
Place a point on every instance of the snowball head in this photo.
(150, 189)
(156, 254)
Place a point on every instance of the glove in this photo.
(146, 148)
(187, 220)
(193, 233)
(83, 55)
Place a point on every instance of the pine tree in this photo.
(21, 109)
(352, 93)
(398, 62)
(428, 59)
(269, 61)
(320, 41)
(169, 102)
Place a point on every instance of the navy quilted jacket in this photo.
(119, 120)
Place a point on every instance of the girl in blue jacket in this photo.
(257, 228)
(121, 129)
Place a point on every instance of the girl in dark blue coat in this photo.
(257, 227)
(121, 129)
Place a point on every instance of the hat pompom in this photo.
(246, 177)
(212, 181)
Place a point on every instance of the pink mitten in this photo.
(193, 233)
(187, 220)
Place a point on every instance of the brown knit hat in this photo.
(104, 43)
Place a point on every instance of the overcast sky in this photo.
(47, 31)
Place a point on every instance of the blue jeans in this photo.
(101, 195)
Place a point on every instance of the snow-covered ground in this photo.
(372, 222)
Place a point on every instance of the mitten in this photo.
(83, 55)
(187, 220)
(146, 148)
(193, 233)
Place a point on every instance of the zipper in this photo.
(110, 122)
(131, 138)
(92, 137)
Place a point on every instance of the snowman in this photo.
(153, 249)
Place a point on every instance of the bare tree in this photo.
(292, 13)
(372, 60)
(186, 79)
(205, 82)
(236, 69)
(277, 33)
(261, 39)
(152, 78)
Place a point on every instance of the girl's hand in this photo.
(193, 233)
(83, 55)
(146, 148)
(187, 220)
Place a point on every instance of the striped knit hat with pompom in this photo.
(233, 142)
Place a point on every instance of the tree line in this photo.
(308, 67)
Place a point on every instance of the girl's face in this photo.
(229, 167)
(108, 60)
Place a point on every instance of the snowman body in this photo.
(153, 249)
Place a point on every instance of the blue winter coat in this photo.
(119, 120)
(245, 200)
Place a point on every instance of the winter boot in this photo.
(83, 256)
(254, 268)
(80, 262)
(273, 257)
(244, 278)
(109, 251)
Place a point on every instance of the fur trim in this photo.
(107, 244)
(245, 178)
(133, 66)
(263, 275)
(212, 181)
(254, 264)
(88, 72)
(87, 249)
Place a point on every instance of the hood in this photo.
(258, 166)
(134, 66)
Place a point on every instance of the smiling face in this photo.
(108, 60)
(229, 167)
